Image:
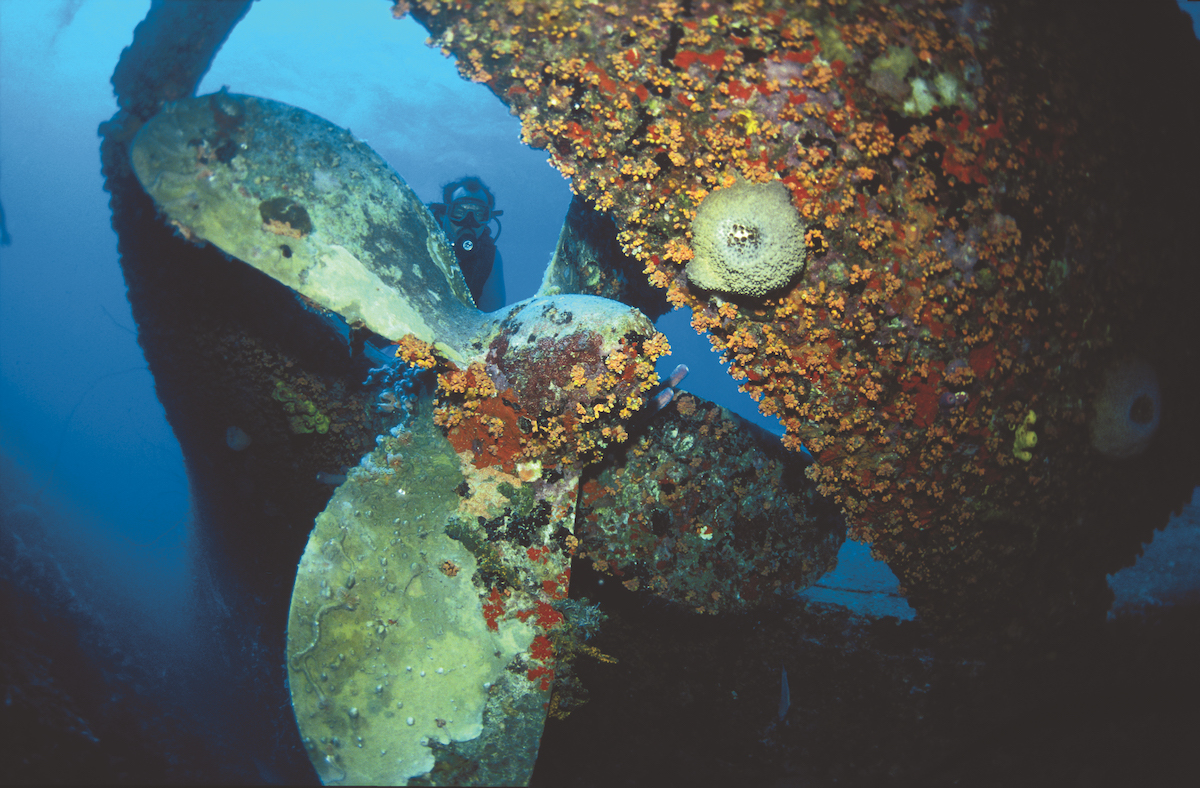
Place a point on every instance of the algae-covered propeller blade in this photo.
(303, 201)
(417, 646)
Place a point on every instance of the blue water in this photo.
(78, 403)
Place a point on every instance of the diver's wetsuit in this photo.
(477, 262)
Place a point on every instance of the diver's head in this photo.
(469, 208)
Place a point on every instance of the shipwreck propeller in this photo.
(426, 619)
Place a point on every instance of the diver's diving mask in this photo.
(467, 218)
(469, 207)
(468, 214)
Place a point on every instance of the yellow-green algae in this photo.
(303, 415)
(389, 651)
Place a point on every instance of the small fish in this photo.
(664, 397)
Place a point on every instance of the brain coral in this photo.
(748, 240)
(1127, 409)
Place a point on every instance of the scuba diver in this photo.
(467, 210)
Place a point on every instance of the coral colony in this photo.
(868, 213)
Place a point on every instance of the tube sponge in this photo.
(747, 240)
(1127, 409)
